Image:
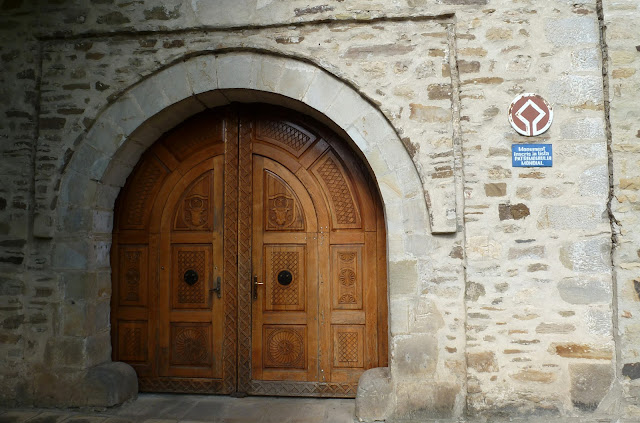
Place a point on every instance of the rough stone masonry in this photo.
(512, 291)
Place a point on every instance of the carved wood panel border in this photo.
(245, 206)
(304, 389)
(182, 385)
(230, 252)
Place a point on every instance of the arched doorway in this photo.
(249, 255)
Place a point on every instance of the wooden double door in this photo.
(249, 256)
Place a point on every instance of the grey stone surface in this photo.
(585, 290)
(589, 384)
(109, 384)
(571, 31)
(375, 395)
(589, 256)
(414, 356)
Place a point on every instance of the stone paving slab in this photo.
(168, 408)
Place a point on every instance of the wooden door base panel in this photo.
(304, 389)
(182, 385)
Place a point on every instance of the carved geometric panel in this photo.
(181, 385)
(304, 389)
(283, 211)
(132, 288)
(285, 277)
(287, 135)
(334, 180)
(190, 280)
(190, 344)
(284, 346)
(132, 341)
(140, 192)
(348, 346)
(194, 210)
(346, 275)
(198, 133)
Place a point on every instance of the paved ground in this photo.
(166, 408)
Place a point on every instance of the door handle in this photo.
(217, 288)
(255, 286)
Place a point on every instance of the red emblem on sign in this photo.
(530, 114)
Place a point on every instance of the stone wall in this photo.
(623, 77)
(24, 301)
(500, 303)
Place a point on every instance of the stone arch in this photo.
(112, 147)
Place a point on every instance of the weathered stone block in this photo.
(589, 384)
(323, 91)
(201, 73)
(424, 317)
(403, 277)
(149, 95)
(418, 401)
(482, 247)
(71, 255)
(429, 114)
(495, 189)
(572, 217)
(414, 356)
(105, 385)
(572, 31)
(78, 318)
(78, 193)
(126, 114)
(583, 128)
(100, 254)
(578, 91)
(237, 70)
(536, 252)
(348, 107)
(599, 321)
(591, 256)
(375, 395)
(555, 328)
(102, 221)
(532, 375)
(77, 220)
(513, 211)
(97, 346)
(474, 291)
(585, 290)
(399, 309)
(483, 362)
(296, 79)
(498, 34)
(592, 352)
(78, 285)
(586, 59)
(631, 370)
(595, 182)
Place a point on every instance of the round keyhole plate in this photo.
(285, 277)
(190, 277)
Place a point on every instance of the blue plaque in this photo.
(531, 155)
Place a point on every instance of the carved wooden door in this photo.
(249, 256)
(190, 312)
(285, 277)
(318, 283)
(173, 307)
